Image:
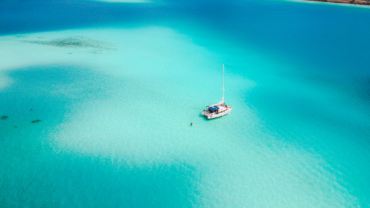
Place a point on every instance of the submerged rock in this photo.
(4, 117)
(36, 121)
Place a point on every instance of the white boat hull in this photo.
(223, 110)
(220, 109)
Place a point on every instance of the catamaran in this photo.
(220, 109)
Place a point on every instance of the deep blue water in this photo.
(298, 136)
(321, 35)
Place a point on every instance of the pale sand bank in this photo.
(162, 81)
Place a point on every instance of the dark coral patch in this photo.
(75, 42)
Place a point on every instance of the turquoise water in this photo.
(117, 84)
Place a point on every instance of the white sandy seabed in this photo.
(158, 81)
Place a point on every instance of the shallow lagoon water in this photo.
(115, 104)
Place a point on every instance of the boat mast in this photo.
(223, 83)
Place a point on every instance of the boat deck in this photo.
(223, 110)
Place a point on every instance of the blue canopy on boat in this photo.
(213, 108)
